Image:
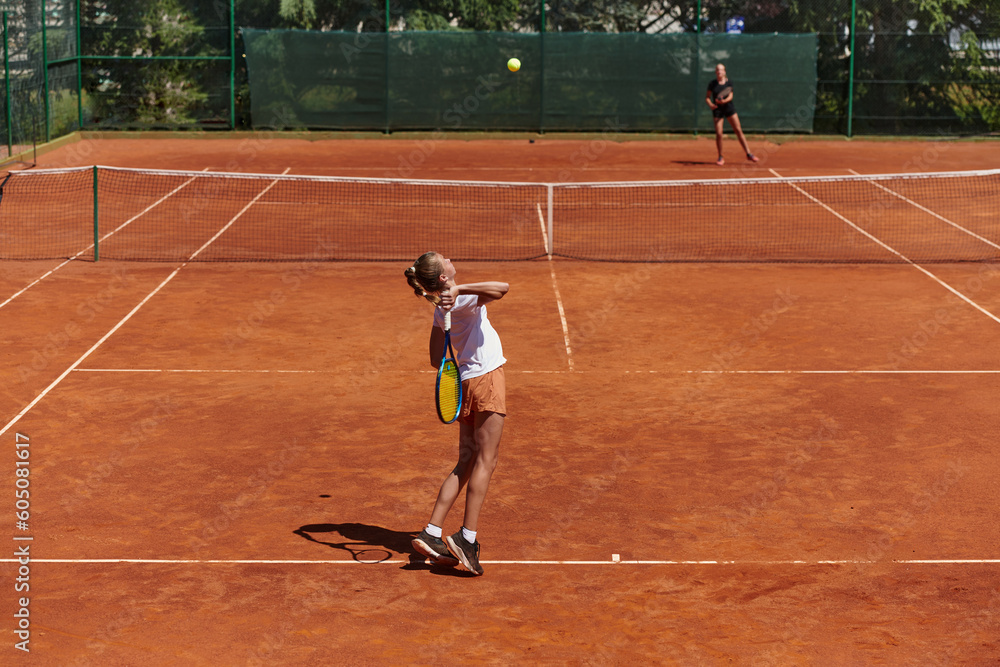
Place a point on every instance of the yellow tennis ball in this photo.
(513, 64)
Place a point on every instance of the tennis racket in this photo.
(448, 391)
(723, 93)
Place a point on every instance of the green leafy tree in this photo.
(149, 92)
(298, 13)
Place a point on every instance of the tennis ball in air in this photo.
(513, 64)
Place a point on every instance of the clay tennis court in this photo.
(703, 463)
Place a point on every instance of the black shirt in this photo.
(714, 86)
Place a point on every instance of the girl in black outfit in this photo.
(723, 108)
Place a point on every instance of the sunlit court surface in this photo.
(759, 430)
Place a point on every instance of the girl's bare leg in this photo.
(718, 134)
(457, 478)
(734, 120)
(489, 428)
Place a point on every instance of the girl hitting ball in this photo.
(480, 360)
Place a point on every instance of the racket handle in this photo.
(447, 320)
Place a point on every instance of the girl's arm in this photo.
(488, 291)
(436, 346)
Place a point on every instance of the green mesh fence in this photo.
(61, 42)
(880, 66)
(22, 89)
(577, 81)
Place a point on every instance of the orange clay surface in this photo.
(233, 475)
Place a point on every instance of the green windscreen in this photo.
(567, 81)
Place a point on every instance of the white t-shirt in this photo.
(477, 344)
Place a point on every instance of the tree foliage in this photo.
(146, 92)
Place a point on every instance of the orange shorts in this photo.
(486, 393)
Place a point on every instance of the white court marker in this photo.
(559, 372)
(871, 372)
(209, 561)
(121, 226)
(555, 286)
(615, 558)
(896, 253)
(130, 314)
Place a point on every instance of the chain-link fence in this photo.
(23, 87)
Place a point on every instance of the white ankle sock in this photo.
(469, 535)
(433, 531)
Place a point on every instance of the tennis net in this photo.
(155, 215)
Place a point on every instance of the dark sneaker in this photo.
(434, 548)
(467, 553)
(752, 157)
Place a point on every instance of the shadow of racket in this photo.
(366, 544)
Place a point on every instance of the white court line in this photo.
(897, 253)
(201, 370)
(178, 561)
(555, 286)
(874, 371)
(603, 372)
(129, 316)
(120, 227)
(930, 212)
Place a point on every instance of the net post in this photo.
(6, 86)
(96, 228)
(850, 73)
(548, 250)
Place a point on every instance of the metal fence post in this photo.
(6, 86)
(386, 31)
(45, 74)
(696, 67)
(232, 64)
(850, 74)
(541, 74)
(79, 73)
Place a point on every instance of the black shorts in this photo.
(724, 111)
